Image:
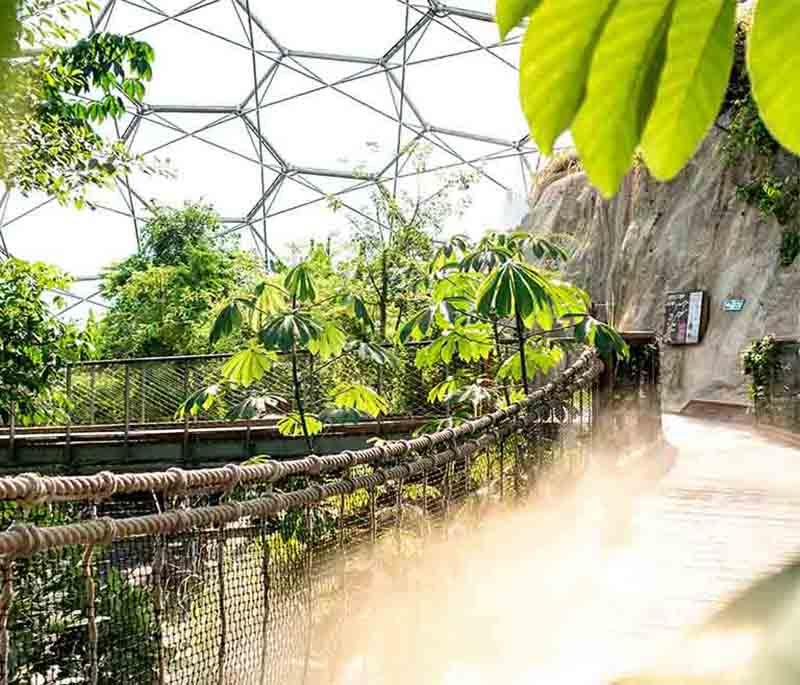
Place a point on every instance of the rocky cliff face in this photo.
(689, 234)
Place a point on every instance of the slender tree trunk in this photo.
(383, 315)
(521, 343)
(298, 398)
(384, 296)
(498, 352)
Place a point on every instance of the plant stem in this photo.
(298, 398)
(521, 343)
(498, 352)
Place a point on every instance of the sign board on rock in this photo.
(685, 317)
(733, 305)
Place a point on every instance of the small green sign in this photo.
(733, 305)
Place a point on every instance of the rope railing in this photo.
(30, 488)
(249, 574)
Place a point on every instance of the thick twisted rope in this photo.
(33, 489)
(25, 541)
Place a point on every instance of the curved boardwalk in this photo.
(726, 513)
(630, 568)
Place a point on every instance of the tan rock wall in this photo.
(691, 233)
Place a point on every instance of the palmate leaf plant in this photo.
(484, 294)
(290, 318)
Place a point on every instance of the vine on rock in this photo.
(761, 361)
(772, 193)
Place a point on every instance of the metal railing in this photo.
(147, 391)
(250, 574)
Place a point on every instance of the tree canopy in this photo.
(53, 97)
(34, 343)
(162, 300)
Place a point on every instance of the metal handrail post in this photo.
(68, 432)
(127, 402)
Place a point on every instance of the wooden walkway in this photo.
(588, 610)
(727, 513)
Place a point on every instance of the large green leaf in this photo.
(329, 343)
(540, 357)
(300, 284)
(199, 401)
(270, 298)
(417, 327)
(9, 27)
(622, 84)
(228, 320)
(510, 13)
(445, 390)
(554, 64)
(360, 397)
(247, 366)
(603, 337)
(290, 330)
(292, 425)
(515, 288)
(773, 66)
(693, 83)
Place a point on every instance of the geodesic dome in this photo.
(268, 110)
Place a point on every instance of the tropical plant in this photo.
(394, 236)
(479, 294)
(623, 75)
(761, 361)
(163, 300)
(52, 97)
(289, 318)
(35, 344)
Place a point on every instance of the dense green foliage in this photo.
(624, 75)
(50, 102)
(479, 296)
(760, 361)
(162, 301)
(767, 187)
(34, 344)
(289, 316)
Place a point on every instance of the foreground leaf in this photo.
(329, 343)
(515, 288)
(772, 65)
(621, 88)
(199, 401)
(693, 83)
(554, 64)
(603, 337)
(300, 284)
(511, 13)
(539, 358)
(290, 330)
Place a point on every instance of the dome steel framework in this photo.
(241, 101)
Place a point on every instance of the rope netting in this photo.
(249, 574)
